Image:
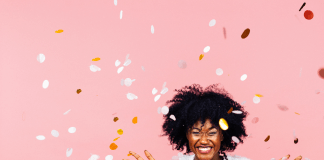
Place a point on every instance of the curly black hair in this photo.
(191, 104)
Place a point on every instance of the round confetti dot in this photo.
(182, 64)
(243, 77)
(256, 100)
(235, 139)
(245, 33)
(172, 117)
(308, 14)
(55, 133)
(79, 91)
(283, 108)
(156, 98)
(128, 82)
(159, 110)
(41, 58)
(115, 119)
(113, 146)
(69, 152)
(212, 22)
(165, 110)
(120, 131)
(109, 157)
(255, 120)
(94, 157)
(72, 130)
(321, 72)
(40, 137)
(131, 96)
(267, 139)
(223, 124)
(134, 120)
(45, 84)
(219, 71)
(117, 63)
(206, 49)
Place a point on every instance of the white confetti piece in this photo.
(235, 139)
(182, 64)
(152, 29)
(122, 82)
(117, 63)
(164, 90)
(159, 110)
(66, 112)
(165, 110)
(156, 98)
(69, 152)
(131, 96)
(212, 22)
(164, 84)
(243, 77)
(256, 99)
(94, 157)
(219, 71)
(121, 14)
(115, 2)
(154, 91)
(237, 112)
(55, 133)
(127, 62)
(127, 56)
(41, 58)
(143, 68)
(120, 69)
(40, 137)
(109, 157)
(72, 130)
(45, 84)
(243, 103)
(94, 68)
(206, 49)
(128, 82)
(173, 117)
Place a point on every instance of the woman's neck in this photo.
(216, 157)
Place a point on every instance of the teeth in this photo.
(204, 149)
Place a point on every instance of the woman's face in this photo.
(205, 141)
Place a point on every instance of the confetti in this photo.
(212, 22)
(59, 31)
(308, 14)
(94, 157)
(72, 130)
(129, 154)
(267, 139)
(243, 77)
(122, 82)
(116, 119)
(258, 95)
(164, 90)
(131, 96)
(256, 100)
(69, 152)
(165, 110)
(230, 110)
(173, 117)
(134, 120)
(127, 62)
(159, 110)
(223, 124)
(128, 82)
(206, 49)
(115, 2)
(96, 59)
(45, 84)
(120, 131)
(282, 107)
(152, 29)
(321, 73)
(154, 91)
(121, 14)
(55, 133)
(40, 137)
(78, 91)
(296, 140)
(201, 56)
(235, 139)
(66, 112)
(255, 120)
(182, 64)
(302, 6)
(120, 69)
(243, 103)
(143, 68)
(297, 113)
(224, 31)
(109, 157)
(94, 68)
(41, 58)
(164, 84)
(245, 33)
(116, 138)
(219, 71)
(237, 112)
(156, 98)
(117, 63)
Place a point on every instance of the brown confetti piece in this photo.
(223, 124)
(245, 33)
(115, 119)
(96, 59)
(201, 56)
(296, 141)
(113, 146)
(230, 110)
(134, 120)
(258, 95)
(120, 131)
(321, 73)
(78, 91)
(267, 139)
(116, 138)
(297, 113)
(129, 154)
(59, 31)
(255, 120)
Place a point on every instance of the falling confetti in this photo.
(40, 137)
(116, 138)
(235, 139)
(45, 84)
(109, 157)
(59, 31)
(302, 6)
(152, 29)
(78, 91)
(128, 82)
(143, 68)
(134, 120)
(127, 62)
(120, 131)
(224, 30)
(267, 139)
(41, 58)
(243, 103)
(243, 77)
(223, 124)
(164, 84)
(182, 64)
(258, 95)
(201, 56)
(206, 49)
(122, 82)
(297, 113)
(66, 112)
(159, 110)
(94, 157)
(173, 117)
(116, 119)
(237, 112)
(308, 14)
(131, 96)
(154, 91)
(230, 110)
(120, 69)
(212, 22)
(117, 63)
(219, 71)
(115, 2)
(55, 133)
(245, 33)
(296, 140)
(157, 97)
(129, 154)
(282, 107)
(69, 152)
(96, 59)
(164, 90)
(255, 120)
(256, 100)
(94, 68)
(72, 130)
(121, 14)
(165, 110)
(321, 73)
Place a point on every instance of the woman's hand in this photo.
(148, 155)
(287, 157)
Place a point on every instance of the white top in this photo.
(191, 157)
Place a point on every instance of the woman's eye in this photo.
(212, 133)
(195, 132)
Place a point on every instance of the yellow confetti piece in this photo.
(116, 138)
(79, 91)
(297, 113)
(120, 131)
(129, 154)
(134, 120)
(113, 146)
(115, 119)
(96, 59)
(258, 95)
(59, 31)
(230, 111)
(223, 124)
(267, 139)
(201, 56)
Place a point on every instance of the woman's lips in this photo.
(205, 151)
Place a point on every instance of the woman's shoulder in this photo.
(229, 157)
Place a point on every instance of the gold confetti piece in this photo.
(59, 31)
(129, 154)
(96, 59)
(113, 146)
(223, 124)
(115, 119)
(134, 120)
(79, 91)
(120, 131)
(267, 139)
(201, 56)
(116, 138)
(230, 111)
(296, 141)
(297, 113)
(258, 95)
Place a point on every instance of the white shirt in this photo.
(191, 157)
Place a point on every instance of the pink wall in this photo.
(281, 57)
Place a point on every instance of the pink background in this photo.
(281, 57)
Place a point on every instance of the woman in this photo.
(198, 126)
